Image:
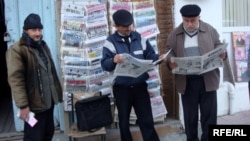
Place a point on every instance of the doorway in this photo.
(6, 110)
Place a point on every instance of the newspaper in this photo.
(132, 67)
(148, 31)
(161, 59)
(139, 5)
(72, 38)
(158, 106)
(199, 64)
(92, 9)
(72, 8)
(144, 17)
(96, 31)
(73, 23)
(114, 6)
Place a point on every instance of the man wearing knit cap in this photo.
(129, 91)
(193, 37)
(33, 79)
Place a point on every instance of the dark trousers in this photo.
(138, 98)
(196, 98)
(44, 128)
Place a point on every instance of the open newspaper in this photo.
(199, 64)
(134, 67)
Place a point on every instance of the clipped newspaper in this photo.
(158, 107)
(199, 64)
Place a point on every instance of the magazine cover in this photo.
(241, 49)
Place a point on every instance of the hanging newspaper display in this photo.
(84, 28)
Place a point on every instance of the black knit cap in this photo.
(123, 18)
(190, 10)
(32, 21)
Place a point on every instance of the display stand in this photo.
(83, 30)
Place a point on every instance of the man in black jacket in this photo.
(128, 91)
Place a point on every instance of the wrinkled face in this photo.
(191, 23)
(34, 34)
(124, 30)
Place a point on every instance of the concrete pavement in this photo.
(170, 130)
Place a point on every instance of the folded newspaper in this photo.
(134, 67)
(199, 64)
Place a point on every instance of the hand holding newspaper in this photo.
(161, 59)
(31, 120)
(199, 64)
(134, 67)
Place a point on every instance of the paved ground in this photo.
(163, 129)
(170, 130)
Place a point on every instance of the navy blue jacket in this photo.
(139, 48)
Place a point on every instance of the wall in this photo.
(210, 10)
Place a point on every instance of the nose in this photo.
(189, 23)
(128, 27)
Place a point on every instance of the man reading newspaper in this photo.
(130, 91)
(194, 38)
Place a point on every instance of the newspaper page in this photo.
(144, 17)
(148, 31)
(158, 106)
(138, 5)
(199, 64)
(92, 9)
(72, 8)
(132, 67)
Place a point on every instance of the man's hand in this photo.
(24, 114)
(163, 58)
(172, 64)
(223, 55)
(118, 59)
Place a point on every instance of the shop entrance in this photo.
(6, 110)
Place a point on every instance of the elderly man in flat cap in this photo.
(193, 37)
(33, 79)
(128, 91)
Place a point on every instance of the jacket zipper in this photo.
(40, 82)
